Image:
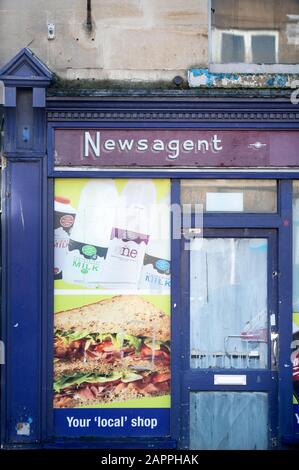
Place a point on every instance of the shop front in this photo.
(150, 259)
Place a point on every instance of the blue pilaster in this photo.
(24, 232)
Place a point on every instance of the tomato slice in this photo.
(159, 354)
(105, 344)
(161, 377)
(146, 351)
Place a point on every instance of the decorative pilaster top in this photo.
(26, 70)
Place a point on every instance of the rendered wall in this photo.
(144, 40)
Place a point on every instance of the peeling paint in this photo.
(23, 429)
(203, 78)
(22, 215)
(277, 81)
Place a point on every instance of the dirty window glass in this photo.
(228, 420)
(255, 31)
(232, 48)
(263, 49)
(221, 195)
(228, 304)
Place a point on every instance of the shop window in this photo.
(221, 195)
(254, 32)
(112, 296)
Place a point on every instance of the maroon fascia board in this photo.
(175, 148)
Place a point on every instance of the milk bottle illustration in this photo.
(64, 217)
(129, 236)
(155, 272)
(91, 233)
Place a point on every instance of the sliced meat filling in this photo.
(109, 348)
(89, 388)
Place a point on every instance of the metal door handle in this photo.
(274, 348)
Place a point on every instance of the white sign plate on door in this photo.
(230, 379)
(224, 202)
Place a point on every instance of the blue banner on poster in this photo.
(112, 422)
(296, 418)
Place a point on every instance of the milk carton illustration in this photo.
(64, 217)
(91, 233)
(129, 236)
(155, 272)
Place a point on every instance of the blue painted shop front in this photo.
(231, 299)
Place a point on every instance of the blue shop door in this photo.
(229, 395)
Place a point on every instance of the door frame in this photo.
(282, 221)
(202, 379)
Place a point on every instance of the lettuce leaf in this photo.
(100, 337)
(118, 340)
(134, 341)
(70, 336)
(131, 377)
(79, 378)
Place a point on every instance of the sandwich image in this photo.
(112, 350)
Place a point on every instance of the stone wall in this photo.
(146, 40)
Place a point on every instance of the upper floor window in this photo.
(254, 35)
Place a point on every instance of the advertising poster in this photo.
(295, 358)
(112, 307)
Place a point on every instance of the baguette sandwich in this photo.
(112, 350)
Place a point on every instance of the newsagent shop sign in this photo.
(168, 148)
